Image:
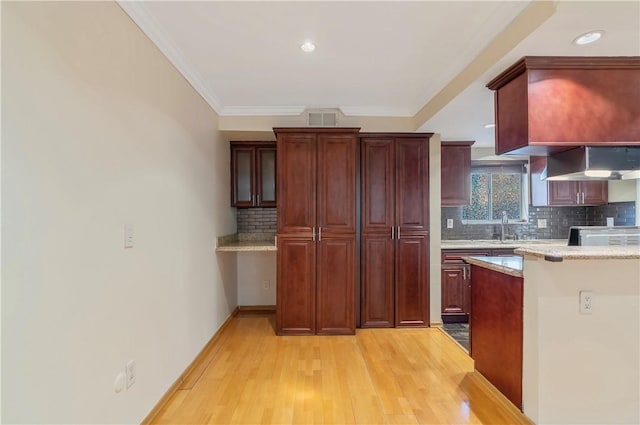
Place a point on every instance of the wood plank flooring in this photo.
(379, 376)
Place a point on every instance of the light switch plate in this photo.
(449, 223)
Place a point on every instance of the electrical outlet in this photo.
(130, 371)
(128, 235)
(542, 223)
(449, 223)
(266, 284)
(609, 221)
(586, 302)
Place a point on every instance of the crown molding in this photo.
(243, 111)
(375, 111)
(143, 19)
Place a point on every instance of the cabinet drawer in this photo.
(455, 256)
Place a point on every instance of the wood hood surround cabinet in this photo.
(546, 104)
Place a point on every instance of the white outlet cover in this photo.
(128, 235)
(449, 223)
(130, 369)
(542, 223)
(118, 384)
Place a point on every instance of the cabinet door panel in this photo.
(453, 289)
(563, 193)
(412, 184)
(412, 280)
(455, 175)
(337, 183)
(296, 286)
(377, 281)
(266, 177)
(595, 192)
(378, 187)
(335, 312)
(296, 183)
(242, 177)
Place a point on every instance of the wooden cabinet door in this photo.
(377, 290)
(455, 174)
(335, 303)
(412, 184)
(594, 192)
(296, 183)
(412, 280)
(454, 289)
(336, 191)
(265, 181)
(378, 188)
(296, 289)
(242, 176)
(563, 193)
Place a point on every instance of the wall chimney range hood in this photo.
(594, 163)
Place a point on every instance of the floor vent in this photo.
(322, 118)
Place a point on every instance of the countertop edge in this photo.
(492, 263)
(562, 253)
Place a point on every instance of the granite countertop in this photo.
(496, 244)
(246, 242)
(560, 253)
(508, 265)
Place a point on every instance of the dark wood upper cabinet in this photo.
(253, 174)
(412, 184)
(563, 193)
(549, 104)
(455, 173)
(378, 184)
(336, 190)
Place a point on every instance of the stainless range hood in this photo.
(595, 163)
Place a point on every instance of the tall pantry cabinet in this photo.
(316, 260)
(395, 229)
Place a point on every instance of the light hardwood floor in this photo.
(379, 376)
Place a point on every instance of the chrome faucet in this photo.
(504, 222)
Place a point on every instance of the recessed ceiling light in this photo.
(308, 46)
(490, 125)
(588, 37)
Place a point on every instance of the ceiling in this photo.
(428, 61)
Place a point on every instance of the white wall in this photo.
(622, 190)
(98, 130)
(581, 369)
(435, 236)
(253, 269)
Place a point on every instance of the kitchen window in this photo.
(497, 187)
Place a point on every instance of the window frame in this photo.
(524, 198)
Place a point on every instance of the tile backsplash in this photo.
(558, 222)
(256, 220)
(559, 219)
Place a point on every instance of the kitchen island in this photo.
(577, 368)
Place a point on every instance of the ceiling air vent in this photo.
(322, 118)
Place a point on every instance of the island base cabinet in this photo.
(316, 286)
(496, 329)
